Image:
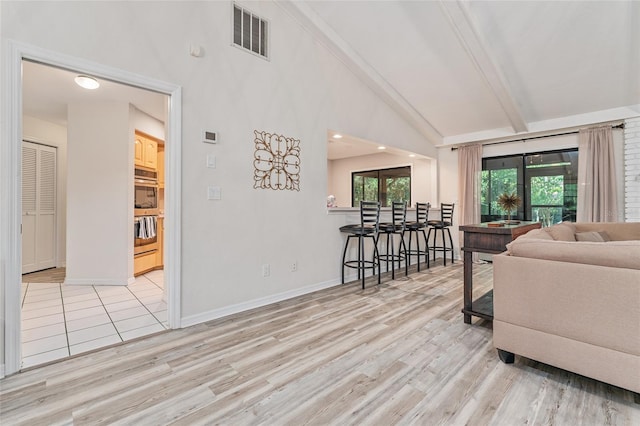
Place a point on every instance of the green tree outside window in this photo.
(384, 185)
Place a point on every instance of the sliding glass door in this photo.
(546, 182)
(500, 175)
(551, 180)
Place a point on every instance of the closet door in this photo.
(38, 207)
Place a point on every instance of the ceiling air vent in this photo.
(250, 32)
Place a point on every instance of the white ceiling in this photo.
(478, 70)
(47, 91)
(457, 71)
(347, 146)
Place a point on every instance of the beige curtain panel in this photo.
(469, 175)
(597, 192)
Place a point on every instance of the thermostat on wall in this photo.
(209, 137)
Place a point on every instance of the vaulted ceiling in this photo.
(467, 71)
(457, 71)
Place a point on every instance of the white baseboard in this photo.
(94, 281)
(263, 301)
(255, 303)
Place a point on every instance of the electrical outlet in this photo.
(294, 266)
(266, 270)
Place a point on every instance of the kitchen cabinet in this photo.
(145, 151)
(150, 154)
(144, 263)
(161, 166)
(160, 252)
(138, 156)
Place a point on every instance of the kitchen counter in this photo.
(356, 210)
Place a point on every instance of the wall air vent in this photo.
(250, 32)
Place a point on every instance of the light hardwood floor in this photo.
(398, 353)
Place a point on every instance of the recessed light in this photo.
(337, 136)
(87, 82)
(382, 147)
(412, 155)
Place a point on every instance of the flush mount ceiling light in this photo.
(382, 147)
(87, 82)
(337, 136)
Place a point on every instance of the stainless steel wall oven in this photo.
(145, 211)
(145, 193)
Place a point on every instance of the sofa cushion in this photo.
(540, 234)
(593, 236)
(564, 231)
(618, 254)
(617, 231)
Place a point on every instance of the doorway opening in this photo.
(70, 311)
(22, 126)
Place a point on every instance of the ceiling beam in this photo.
(478, 51)
(365, 72)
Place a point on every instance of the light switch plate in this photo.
(213, 193)
(211, 161)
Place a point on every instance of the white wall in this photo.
(47, 133)
(448, 170)
(301, 92)
(99, 193)
(147, 124)
(36, 130)
(339, 175)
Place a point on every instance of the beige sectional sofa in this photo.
(572, 304)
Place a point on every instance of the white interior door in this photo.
(38, 207)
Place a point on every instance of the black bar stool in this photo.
(446, 219)
(368, 227)
(396, 227)
(417, 228)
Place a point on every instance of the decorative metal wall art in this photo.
(276, 162)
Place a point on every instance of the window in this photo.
(385, 185)
(249, 31)
(546, 183)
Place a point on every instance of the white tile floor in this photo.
(60, 320)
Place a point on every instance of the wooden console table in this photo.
(484, 238)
